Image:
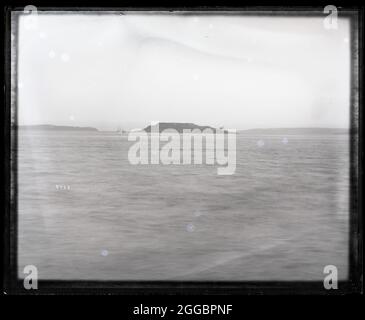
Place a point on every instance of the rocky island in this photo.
(178, 126)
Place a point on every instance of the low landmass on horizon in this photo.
(179, 127)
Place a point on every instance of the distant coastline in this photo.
(296, 131)
(49, 127)
(179, 127)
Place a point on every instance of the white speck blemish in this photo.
(51, 54)
(190, 227)
(197, 213)
(104, 253)
(65, 57)
(260, 143)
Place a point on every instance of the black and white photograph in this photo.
(173, 146)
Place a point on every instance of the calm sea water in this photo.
(86, 213)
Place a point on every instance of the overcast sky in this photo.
(236, 71)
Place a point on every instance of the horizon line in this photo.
(224, 128)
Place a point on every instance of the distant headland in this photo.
(49, 127)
